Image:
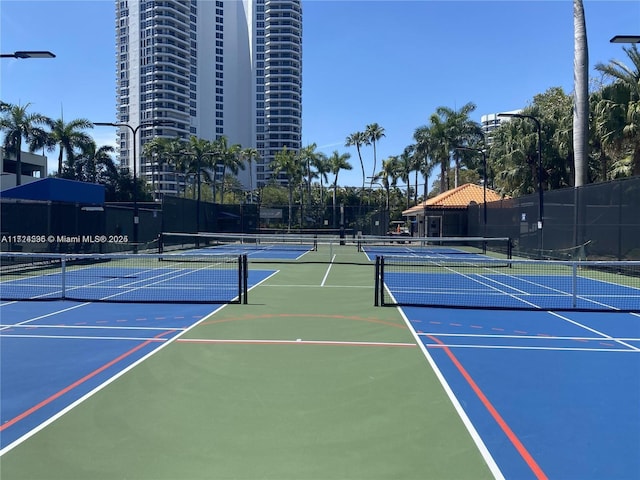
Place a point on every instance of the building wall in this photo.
(213, 68)
(34, 167)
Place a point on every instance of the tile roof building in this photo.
(443, 214)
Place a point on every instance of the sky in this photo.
(368, 61)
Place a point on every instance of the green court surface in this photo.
(307, 381)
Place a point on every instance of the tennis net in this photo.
(139, 278)
(525, 285)
(437, 247)
(205, 243)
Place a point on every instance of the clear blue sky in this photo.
(389, 62)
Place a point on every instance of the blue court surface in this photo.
(43, 376)
(547, 394)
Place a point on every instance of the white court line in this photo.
(328, 270)
(514, 347)
(477, 439)
(527, 337)
(87, 327)
(91, 337)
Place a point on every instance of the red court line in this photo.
(53, 397)
(535, 468)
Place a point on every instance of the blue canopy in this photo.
(58, 190)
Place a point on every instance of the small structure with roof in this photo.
(446, 214)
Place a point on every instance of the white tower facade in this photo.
(208, 68)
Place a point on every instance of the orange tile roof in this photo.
(459, 197)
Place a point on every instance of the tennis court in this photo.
(309, 379)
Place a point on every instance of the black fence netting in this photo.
(593, 222)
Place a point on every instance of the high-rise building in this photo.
(208, 68)
(492, 121)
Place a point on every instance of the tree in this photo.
(94, 164)
(321, 163)
(68, 137)
(249, 154)
(358, 139)
(388, 177)
(422, 151)
(374, 133)
(160, 150)
(306, 156)
(231, 159)
(459, 130)
(626, 102)
(287, 163)
(18, 124)
(580, 94)
(338, 162)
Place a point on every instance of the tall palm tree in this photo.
(627, 90)
(460, 130)
(18, 124)
(358, 139)
(67, 137)
(249, 154)
(95, 164)
(201, 152)
(374, 133)
(423, 147)
(321, 163)
(405, 165)
(232, 160)
(338, 162)
(388, 176)
(287, 162)
(158, 151)
(580, 94)
(439, 147)
(306, 156)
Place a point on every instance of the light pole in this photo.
(28, 54)
(625, 39)
(134, 133)
(540, 193)
(484, 183)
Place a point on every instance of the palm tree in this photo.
(358, 139)
(423, 147)
(67, 137)
(626, 101)
(405, 165)
(232, 160)
(201, 152)
(439, 145)
(306, 157)
(286, 162)
(338, 162)
(388, 177)
(159, 150)
(248, 154)
(18, 125)
(460, 130)
(581, 94)
(95, 164)
(373, 133)
(321, 163)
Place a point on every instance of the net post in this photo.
(160, 243)
(574, 288)
(63, 268)
(376, 302)
(381, 284)
(245, 276)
